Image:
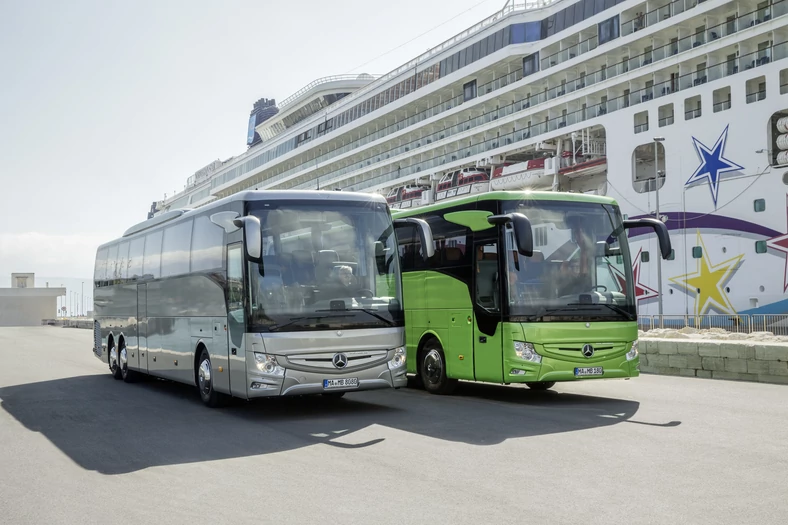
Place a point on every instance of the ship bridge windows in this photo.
(722, 99)
(665, 114)
(692, 107)
(756, 89)
(644, 169)
(641, 122)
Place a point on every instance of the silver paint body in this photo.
(163, 322)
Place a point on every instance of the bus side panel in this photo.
(179, 309)
(451, 324)
(415, 316)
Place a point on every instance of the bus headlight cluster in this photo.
(267, 364)
(399, 358)
(633, 352)
(526, 351)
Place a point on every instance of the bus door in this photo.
(140, 358)
(236, 318)
(487, 328)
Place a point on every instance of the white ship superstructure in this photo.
(618, 98)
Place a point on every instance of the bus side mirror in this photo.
(659, 228)
(523, 233)
(425, 234)
(253, 237)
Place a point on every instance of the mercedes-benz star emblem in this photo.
(588, 350)
(340, 360)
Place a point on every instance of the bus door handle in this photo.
(482, 339)
(234, 351)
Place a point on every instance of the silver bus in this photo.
(263, 293)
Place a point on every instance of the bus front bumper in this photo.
(551, 369)
(298, 382)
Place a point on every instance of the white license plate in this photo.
(590, 371)
(348, 382)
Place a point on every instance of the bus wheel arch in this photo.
(112, 357)
(203, 373)
(431, 366)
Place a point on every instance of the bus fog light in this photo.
(267, 364)
(633, 352)
(526, 351)
(399, 358)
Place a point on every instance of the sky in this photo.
(106, 106)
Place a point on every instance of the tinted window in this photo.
(518, 34)
(599, 6)
(506, 36)
(112, 263)
(409, 248)
(476, 50)
(550, 25)
(122, 270)
(136, 252)
(207, 242)
(484, 51)
(559, 21)
(588, 8)
(151, 266)
(533, 31)
(175, 250)
(608, 30)
(491, 44)
(498, 40)
(450, 242)
(609, 3)
(100, 270)
(531, 64)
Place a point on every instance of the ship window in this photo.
(641, 122)
(483, 51)
(784, 81)
(722, 99)
(608, 30)
(559, 21)
(644, 257)
(498, 40)
(644, 173)
(518, 34)
(697, 252)
(692, 107)
(599, 6)
(756, 89)
(533, 31)
(665, 114)
(759, 205)
(760, 246)
(531, 64)
(475, 51)
(469, 90)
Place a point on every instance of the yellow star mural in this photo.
(707, 283)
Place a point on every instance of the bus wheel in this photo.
(129, 376)
(209, 396)
(432, 369)
(541, 385)
(114, 367)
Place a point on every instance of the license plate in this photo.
(348, 382)
(590, 371)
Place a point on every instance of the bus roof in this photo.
(251, 196)
(508, 196)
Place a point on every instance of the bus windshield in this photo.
(331, 267)
(581, 266)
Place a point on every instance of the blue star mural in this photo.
(712, 164)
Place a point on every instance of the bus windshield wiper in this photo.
(613, 307)
(368, 311)
(294, 320)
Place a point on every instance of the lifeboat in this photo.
(462, 182)
(522, 175)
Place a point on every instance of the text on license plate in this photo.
(589, 371)
(347, 382)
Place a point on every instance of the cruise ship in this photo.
(676, 109)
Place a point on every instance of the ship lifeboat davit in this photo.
(585, 168)
(528, 175)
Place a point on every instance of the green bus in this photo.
(522, 287)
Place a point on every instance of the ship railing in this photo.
(776, 324)
(323, 80)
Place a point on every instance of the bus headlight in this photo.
(399, 358)
(526, 351)
(633, 352)
(267, 364)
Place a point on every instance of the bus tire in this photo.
(112, 360)
(203, 374)
(128, 376)
(541, 385)
(432, 369)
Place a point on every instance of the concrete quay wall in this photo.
(743, 360)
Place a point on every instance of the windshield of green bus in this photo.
(326, 265)
(581, 266)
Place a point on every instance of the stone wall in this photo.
(761, 361)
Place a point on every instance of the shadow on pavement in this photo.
(112, 427)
